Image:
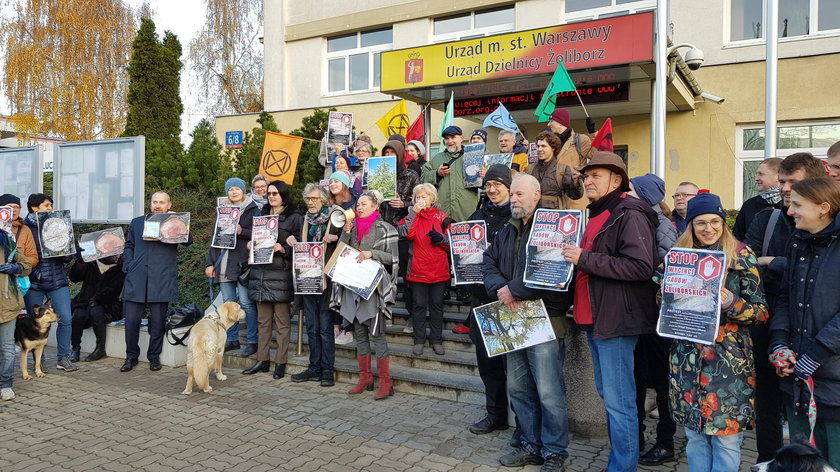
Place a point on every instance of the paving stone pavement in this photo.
(101, 419)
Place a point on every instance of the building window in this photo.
(353, 60)
(474, 24)
(790, 138)
(590, 9)
(796, 18)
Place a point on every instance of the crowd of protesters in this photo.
(776, 355)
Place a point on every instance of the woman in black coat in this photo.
(271, 285)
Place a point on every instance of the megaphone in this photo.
(339, 217)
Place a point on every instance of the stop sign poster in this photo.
(551, 231)
(224, 234)
(691, 283)
(263, 237)
(467, 243)
(308, 270)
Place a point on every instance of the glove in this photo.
(436, 237)
(590, 125)
(780, 358)
(11, 268)
(805, 367)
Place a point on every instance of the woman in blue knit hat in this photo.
(712, 386)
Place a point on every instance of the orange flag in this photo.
(280, 156)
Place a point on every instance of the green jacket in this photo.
(453, 199)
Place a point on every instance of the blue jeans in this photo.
(235, 292)
(61, 305)
(613, 362)
(707, 453)
(319, 332)
(537, 389)
(7, 353)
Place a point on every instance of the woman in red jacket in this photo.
(429, 265)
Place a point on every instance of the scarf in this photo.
(607, 202)
(771, 195)
(363, 225)
(260, 200)
(317, 223)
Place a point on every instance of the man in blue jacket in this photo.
(151, 281)
(535, 379)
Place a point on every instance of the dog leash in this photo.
(781, 360)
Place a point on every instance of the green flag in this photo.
(448, 119)
(560, 82)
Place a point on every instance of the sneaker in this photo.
(306, 375)
(461, 329)
(487, 425)
(345, 337)
(656, 455)
(438, 348)
(462, 295)
(409, 327)
(66, 365)
(232, 346)
(417, 350)
(521, 457)
(7, 394)
(554, 463)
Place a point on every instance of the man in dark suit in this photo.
(151, 281)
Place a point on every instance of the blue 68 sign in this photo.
(233, 139)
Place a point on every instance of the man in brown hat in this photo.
(614, 298)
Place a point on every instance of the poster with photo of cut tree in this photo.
(505, 330)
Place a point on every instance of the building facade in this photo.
(357, 56)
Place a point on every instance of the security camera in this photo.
(712, 98)
(694, 58)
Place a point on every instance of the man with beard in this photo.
(768, 237)
(446, 172)
(535, 379)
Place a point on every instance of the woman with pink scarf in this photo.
(375, 240)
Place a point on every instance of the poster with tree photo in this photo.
(473, 162)
(504, 330)
(382, 176)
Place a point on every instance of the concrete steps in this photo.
(453, 376)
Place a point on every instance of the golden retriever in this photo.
(206, 346)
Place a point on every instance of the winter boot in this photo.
(386, 389)
(365, 376)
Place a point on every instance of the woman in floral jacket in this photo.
(712, 385)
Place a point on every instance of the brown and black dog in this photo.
(31, 332)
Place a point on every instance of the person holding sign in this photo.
(225, 265)
(428, 269)
(21, 233)
(615, 301)
(49, 281)
(316, 312)
(151, 281)
(535, 379)
(271, 285)
(712, 385)
(805, 326)
(445, 170)
(376, 240)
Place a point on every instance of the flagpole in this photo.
(581, 103)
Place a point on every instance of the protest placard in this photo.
(467, 243)
(55, 230)
(505, 159)
(99, 244)
(361, 278)
(339, 130)
(504, 330)
(382, 176)
(533, 154)
(473, 162)
(224, 233)
(6, 214)
(691, 286)
(171, 228)
(551, 231)
(309, 268)
(263, 238)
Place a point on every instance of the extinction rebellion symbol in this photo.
(398, 124)
(276, 163)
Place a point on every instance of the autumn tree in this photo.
(65, 62)
(226, 57)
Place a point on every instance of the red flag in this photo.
(416, 132)
(604, 139)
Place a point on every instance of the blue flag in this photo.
(501, 118)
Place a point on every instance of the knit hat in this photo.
(341, 176)
(8, 198)
(235, 182)
(452, 131)
(420, 146)
(344, 158)
(561, 115)
(704, 204)
(500, 173)
(649, 188)
(479, 132)
(397, 137)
